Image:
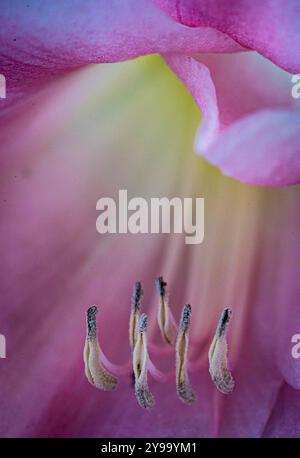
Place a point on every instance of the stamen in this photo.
(183, 387)
(135, 312)
(140, 365)
(165, 319)
(217, 355)
(96, 374)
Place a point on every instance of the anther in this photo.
(140, 366)
(136, 298)
(185, 318)
(91, 321)
(96, 374)
(183, 386)
(164, 315)
(217, 355)
(142, 324)
(224, 321)
(161, 286)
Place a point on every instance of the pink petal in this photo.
(268, 27)
(250, 127)
(39, 41)
(262, 149)
(79, 143)
(284, 420)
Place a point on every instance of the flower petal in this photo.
(284, 420)
(250, 126)
(41, 40)
(268, 27)
(84, 140)
(262, 149)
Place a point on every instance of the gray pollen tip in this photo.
(136, 297)
(91, 321)
(142, 325)
(224, 320)
(185, 318)
(161, 286)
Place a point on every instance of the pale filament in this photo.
(140, 366)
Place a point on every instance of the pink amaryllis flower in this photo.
(72, 132)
